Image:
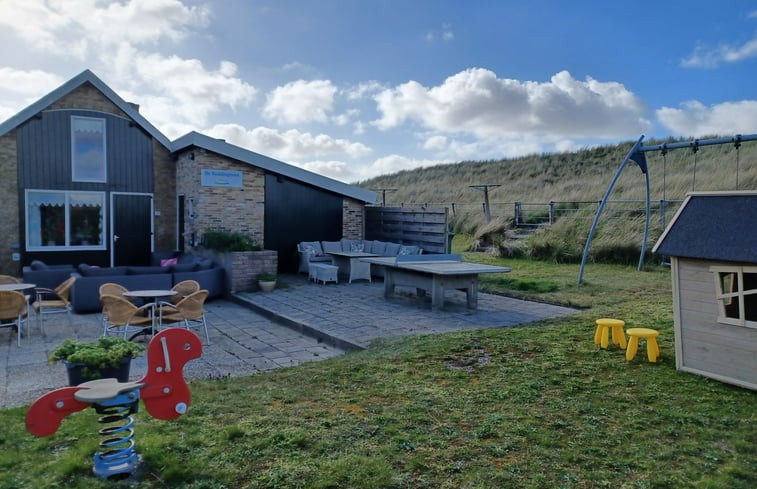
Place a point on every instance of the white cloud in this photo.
(185, 89)
(476, 102)
(364, 89)
(338, 170)
(394, 163)
(712, 57)
(695, 119)
(435, 143)
(291, 145)
(28, 83)
(301, 101)
(79, 28)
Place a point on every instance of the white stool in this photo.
(324, 273)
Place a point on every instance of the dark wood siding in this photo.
(295, 212)
(44, 154)
(44, 163)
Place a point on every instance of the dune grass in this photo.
(534, 406)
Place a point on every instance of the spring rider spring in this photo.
(163, 390)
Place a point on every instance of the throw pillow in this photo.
(38, 265)
(169, 261)
(311, 250)
(356, 247)
(404, 250)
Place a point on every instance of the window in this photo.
(62, 220)
(88, 162)
(736, 292)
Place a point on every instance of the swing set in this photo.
(637, 154)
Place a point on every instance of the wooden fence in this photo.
(413, 226)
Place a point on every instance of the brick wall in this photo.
(164, 197)
(9, 210)
(234, 209)
(353, 219)
(87, 97)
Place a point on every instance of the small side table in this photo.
(323, 272)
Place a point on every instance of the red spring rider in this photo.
(162, 389)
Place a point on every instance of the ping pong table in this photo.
(435, 274)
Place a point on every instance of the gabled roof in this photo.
(188, 140)
(85, 76)
(269, 164)
(713, 226)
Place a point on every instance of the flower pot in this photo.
(266, 286)
(76, 374)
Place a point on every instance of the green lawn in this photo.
(536, 406)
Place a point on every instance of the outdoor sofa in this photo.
(318, 251)
(85, 294)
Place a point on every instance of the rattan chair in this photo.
(189, 311)
(14, 310)
(53, 301)
(183, 289)
(111, 288)
(121, 316)
(7, 279)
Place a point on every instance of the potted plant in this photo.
(107, 357)
(266, 281)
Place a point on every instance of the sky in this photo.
(353, 89)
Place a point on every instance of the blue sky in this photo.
(356, 88)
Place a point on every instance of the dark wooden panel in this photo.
(44, 149)
(295, 212)
(417, 226)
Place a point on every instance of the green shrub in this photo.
(222, 240)
(106, 352)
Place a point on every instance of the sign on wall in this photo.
(221, 178)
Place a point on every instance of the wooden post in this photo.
(487, 207)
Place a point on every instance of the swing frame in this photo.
(637, 154)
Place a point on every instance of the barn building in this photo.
(712, 245)
(85, 178)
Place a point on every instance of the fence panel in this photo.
(422, 226)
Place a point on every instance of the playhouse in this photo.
(712, 245)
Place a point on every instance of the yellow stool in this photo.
(601, 335)
(653, 349)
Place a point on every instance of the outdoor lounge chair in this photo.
(13, 311)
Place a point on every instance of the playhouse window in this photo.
(736, 292)
(58, 220)
(88, 162)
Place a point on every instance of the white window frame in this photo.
(104, 162)
(739, 294)
(67, 232)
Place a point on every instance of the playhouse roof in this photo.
(713, 226)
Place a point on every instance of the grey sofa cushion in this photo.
(147, 270)
(392, 249)
(38, 265)
(183, 267)
(378, 247)
(87, 271)
(329, 246)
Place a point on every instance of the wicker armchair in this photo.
(13, 310)
(7, 279)
(53, 301)
(189, 311)
(183, 289)
(121, 316)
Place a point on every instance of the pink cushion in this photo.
(168, 262)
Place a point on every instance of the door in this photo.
(132, 229)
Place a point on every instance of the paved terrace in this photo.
(298, 322)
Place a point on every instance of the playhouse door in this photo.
(132, 229)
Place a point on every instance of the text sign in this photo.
(221, 178)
